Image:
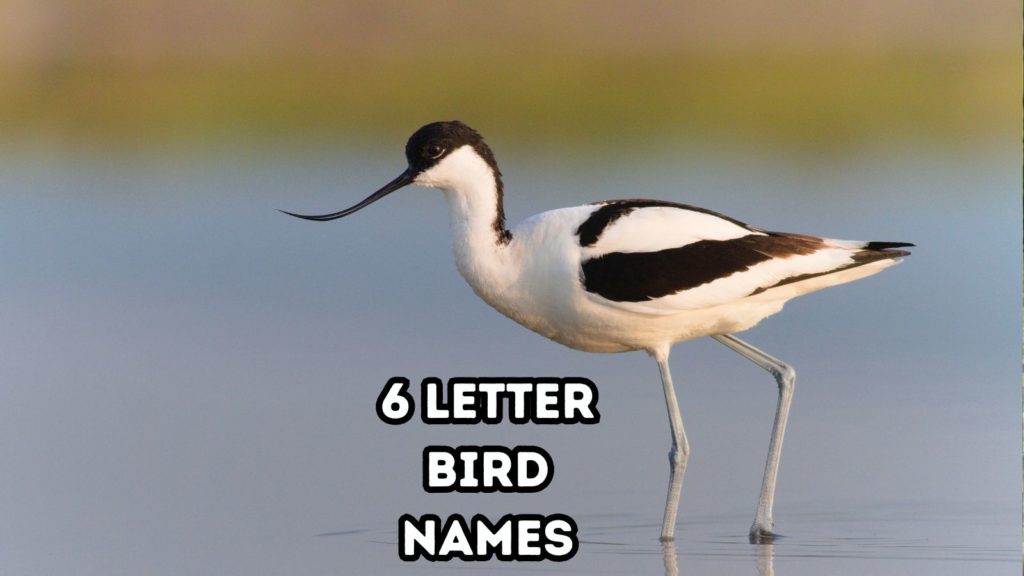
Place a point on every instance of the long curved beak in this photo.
(404, 179)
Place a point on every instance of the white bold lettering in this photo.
(440, 470)
(455, 540)
(469, 480)
(559, 536)
(496, 468)
(528, 531)
(519, 390)
(413, 537)
(523, 479)
(578, 400)
(486, 540)
(547, 399)
(433, 404)
(463, 400)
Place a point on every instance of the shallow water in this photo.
(901, 538)
(189, 377)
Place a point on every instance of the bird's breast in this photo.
(535, 280)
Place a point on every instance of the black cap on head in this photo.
(431, 143)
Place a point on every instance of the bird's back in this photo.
(620, 275)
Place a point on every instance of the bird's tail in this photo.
(872, 251)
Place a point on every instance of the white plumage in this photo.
(629, 275)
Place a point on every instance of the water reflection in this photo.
(671, 564)
(766, 559)
(834, 538)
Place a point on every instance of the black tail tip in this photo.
(887, 245)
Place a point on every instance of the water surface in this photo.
(189, 376)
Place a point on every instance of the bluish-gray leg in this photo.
(680, 451)
(785, 376)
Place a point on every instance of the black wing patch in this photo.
(591, 229)
(642, 276)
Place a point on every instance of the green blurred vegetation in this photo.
(807, 100)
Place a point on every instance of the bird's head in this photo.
(445, 155)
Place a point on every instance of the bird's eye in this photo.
(435, 150)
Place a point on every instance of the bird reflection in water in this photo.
(765, 559)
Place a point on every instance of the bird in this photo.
(629, 275)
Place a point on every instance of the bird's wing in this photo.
(661, 258)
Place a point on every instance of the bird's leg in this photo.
(671, 560)
(680, 448)
(785, 376)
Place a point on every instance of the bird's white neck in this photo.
(479, 239)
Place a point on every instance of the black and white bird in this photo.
(624, 275)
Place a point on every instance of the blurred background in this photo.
(188, 376)
(800, 74)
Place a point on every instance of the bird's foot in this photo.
(761, 533)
